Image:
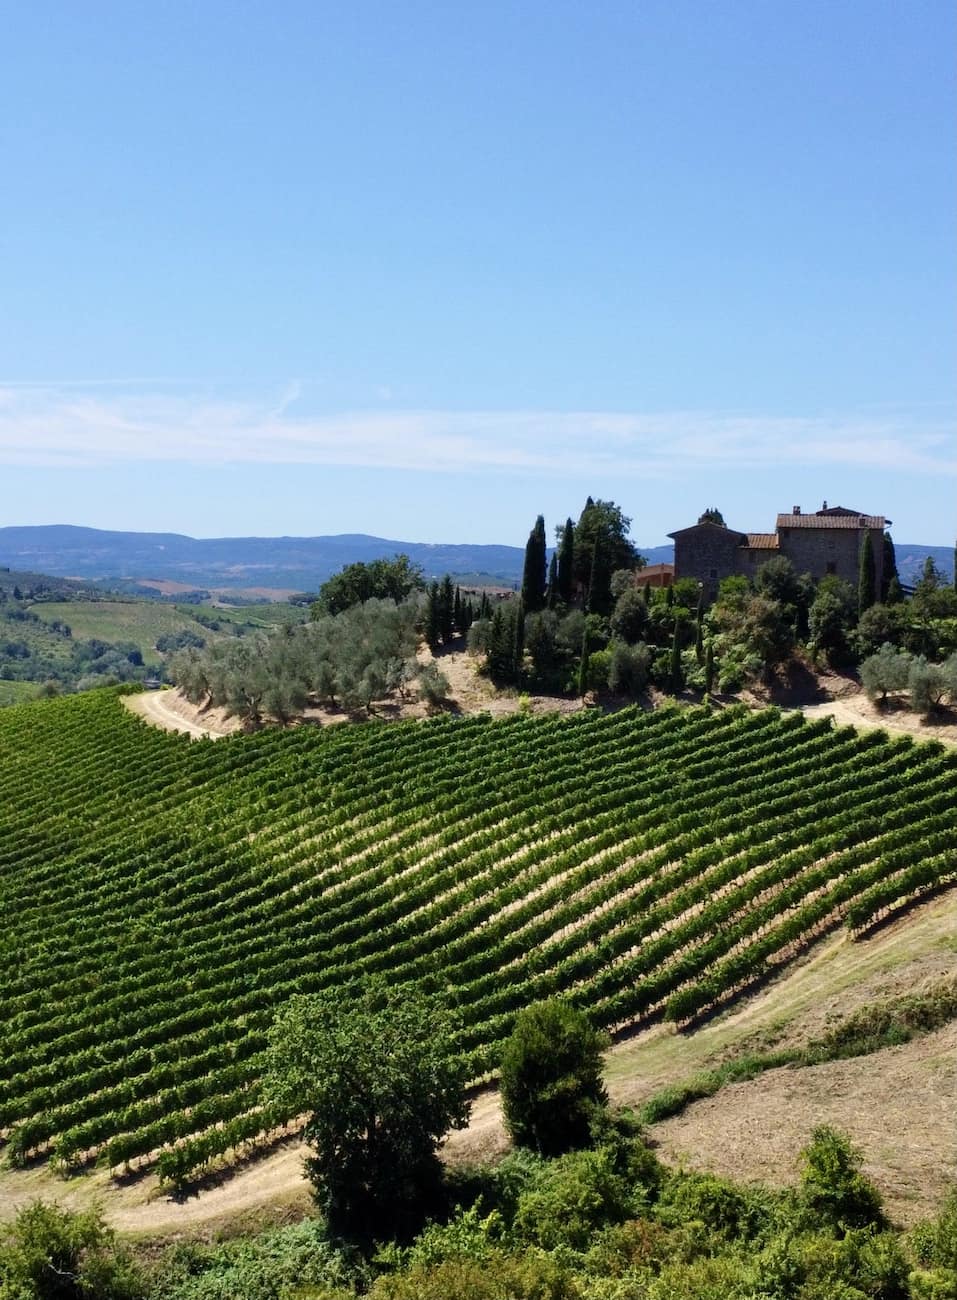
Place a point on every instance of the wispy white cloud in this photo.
(78, 426)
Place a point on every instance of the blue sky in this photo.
(427, 270)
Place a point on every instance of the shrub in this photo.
(50, 1252)
(833, 1188)
(551, 1078)
(572, 1198)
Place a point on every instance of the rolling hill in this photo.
(169, 895)
(301, 563)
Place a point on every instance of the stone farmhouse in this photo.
(828, 541)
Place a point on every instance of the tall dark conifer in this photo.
(865, 574)
(446, 609)
(551, 598)
(433, 616)
(533, 576)
(889, 570)
(566, 562)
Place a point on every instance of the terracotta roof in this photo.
(653, 569)
(877, 522)
(722, 528)
(762, 541)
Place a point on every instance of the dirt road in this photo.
(169, 710)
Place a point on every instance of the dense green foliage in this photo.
(375, 1072)
(394, 579)
(53, 1254)
(166, 897)
(354, 659)
(551, 1082)
(605, 1223)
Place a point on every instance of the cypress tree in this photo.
(552, 581)
(865, 574)
(889, 571)
(677, 677)
(533, 575)
(457, 609)
(708, 669)
(566, 561)
(599, 599)
(518, 645)
(446, 610)
(433, 616)
(583, 666)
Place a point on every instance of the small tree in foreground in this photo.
(832, 1185)
(551, 1078)
(378, 1077)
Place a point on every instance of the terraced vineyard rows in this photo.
(163, 896)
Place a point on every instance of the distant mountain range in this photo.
(297, 563)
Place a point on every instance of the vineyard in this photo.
(163, 897)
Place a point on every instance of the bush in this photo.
(551, 1078)
(716, 1204)
(530, 1276)
(49, 1252)
(833, 1189)
(629, 668)
(571, 1199)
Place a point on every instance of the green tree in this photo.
(393, 579)
(378, 1076)
(566, 561)
(533, 576)
(887, 670)
(505, 642)
(552, 597)
(832, 1185)
(551, 1080)
(831, 617)
(889, 573)
(601, 547)
(433, 616)
(866, 576)
(629, 619)
(628, 669)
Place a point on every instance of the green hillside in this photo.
(166, 896)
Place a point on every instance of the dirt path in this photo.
(172, 712)
(468, 693)
(857, 711)
(898, 1104)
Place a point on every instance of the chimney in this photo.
(824, 507)
(796, 510)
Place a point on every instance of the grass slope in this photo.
(169, 895)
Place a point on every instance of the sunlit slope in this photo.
(162, 897)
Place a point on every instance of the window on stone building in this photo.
(832, 566)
